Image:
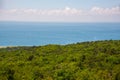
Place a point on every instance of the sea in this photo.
(44, 33)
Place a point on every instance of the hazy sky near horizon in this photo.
(60, 10)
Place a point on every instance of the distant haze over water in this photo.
(36, 33)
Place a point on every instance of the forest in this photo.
(92, 60)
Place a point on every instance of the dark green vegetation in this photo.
(98, 60)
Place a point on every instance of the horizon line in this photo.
(60, 22)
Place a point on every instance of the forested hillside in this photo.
(99, 60)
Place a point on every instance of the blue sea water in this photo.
(35, 33)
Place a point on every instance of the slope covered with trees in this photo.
(99, 60)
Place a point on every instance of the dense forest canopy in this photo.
(96, 60)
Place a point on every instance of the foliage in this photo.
(96, 60)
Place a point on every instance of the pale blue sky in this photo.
(51, 4)
(60, 10)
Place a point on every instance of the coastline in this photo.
(10, 46)
(7, 46)
(3, 46)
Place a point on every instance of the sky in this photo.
(60, 10)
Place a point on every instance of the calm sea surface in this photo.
(34, 33)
